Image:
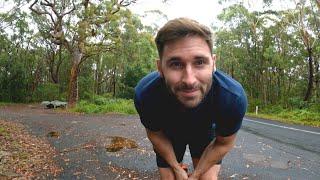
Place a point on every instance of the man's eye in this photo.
(200, 62)
(176, 65)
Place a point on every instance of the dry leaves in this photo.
(24, 155)
(118, 143)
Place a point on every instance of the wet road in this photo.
(264, 149)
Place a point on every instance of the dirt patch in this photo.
(118, 143)
(23, 155)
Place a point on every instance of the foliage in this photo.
(47, 92)
(4, 103)
(115, 42)
(101, 105)
(272, 53)
(296, 116)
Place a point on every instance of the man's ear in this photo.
(214, 59)
(159, 67)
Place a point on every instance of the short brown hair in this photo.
(179, 28)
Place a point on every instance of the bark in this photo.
(310, 77)
(264, 88)
(317, 78)
(114, 80)
(73, 85)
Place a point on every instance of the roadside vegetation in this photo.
(294, 112)
(4, 103)
(306, 114)
(104, 105)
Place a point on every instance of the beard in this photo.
(200, 91)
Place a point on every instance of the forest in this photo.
(86, 52)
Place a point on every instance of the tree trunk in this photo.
(264, 88)
(114, 80)
(56, 73)
(77, 59)
(317, 78)
(55, 66)
(279, 77)
(310, 78)
(73, 85)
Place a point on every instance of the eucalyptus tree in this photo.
(310, 35)
(85, 28)
(135, 51)
(239, 45)
(275, 54)
(18, 61)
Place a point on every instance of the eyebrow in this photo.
(176, 58)
(199, 57)
(173, 59)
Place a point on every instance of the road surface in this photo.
(264, 149)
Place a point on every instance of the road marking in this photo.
(285, 127)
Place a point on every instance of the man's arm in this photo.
(164, 147)
(213, 153)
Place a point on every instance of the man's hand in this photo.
(193, 177)
(213, 153)
(180, 173)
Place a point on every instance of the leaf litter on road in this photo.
(24, 155)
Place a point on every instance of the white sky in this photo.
(204, 11)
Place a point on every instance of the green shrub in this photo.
(99, 100)
(4, 103)
(252, 103)
(275, 109)
(106, 105)
(46, 92)
(126, 92)
(297, 103)
(314, 107)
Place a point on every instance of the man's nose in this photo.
(189, 76)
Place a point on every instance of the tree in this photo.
(275, 54)
(85, 28)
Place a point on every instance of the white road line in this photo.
(285, 127)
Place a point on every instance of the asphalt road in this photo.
(264, 149)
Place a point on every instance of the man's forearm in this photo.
(213, 153)
(164, 147)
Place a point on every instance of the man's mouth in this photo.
(189, 92)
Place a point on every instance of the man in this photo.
(189, 102)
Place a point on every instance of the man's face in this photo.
(187, 65)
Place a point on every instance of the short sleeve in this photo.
(230, 119)
(147, 117)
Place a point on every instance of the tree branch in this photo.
(39, 12)
(70, 11)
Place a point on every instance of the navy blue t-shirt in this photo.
(223, 107)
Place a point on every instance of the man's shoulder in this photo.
(231, 102)
(147, 86)
(229, 95)
(228, 84)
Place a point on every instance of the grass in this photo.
(306, 116)
(106, 105)
(4, 103)
(296, 116)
